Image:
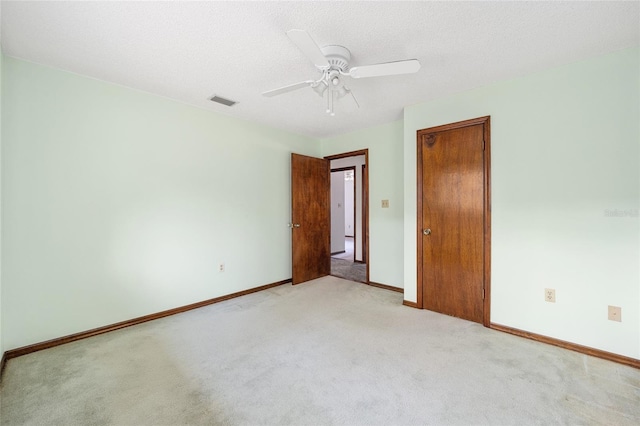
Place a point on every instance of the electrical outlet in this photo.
(615, 313)
(221, 267)
(385, 204)
(550, 295)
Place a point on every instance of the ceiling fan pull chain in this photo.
(330, 102)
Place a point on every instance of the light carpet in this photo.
(324, 352)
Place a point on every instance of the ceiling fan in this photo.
(333, 64)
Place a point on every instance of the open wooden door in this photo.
(310, 232)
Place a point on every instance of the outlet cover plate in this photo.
(550, 295)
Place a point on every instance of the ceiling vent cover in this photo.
(222, 101)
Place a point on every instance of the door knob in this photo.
(426, 231)
(296, 225)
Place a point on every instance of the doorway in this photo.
(346, 204)
(454, 219)
(310, 216)
(349, 214)
(343, 212)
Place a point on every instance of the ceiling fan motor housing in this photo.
(338, 57)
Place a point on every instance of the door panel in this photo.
(453, 206)
(310, 209)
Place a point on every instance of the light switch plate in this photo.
(615, 313)
(385, 204)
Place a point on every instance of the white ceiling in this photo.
(189, 51)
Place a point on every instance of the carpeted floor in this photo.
(324, 352)
(349, 270)
(343, 266)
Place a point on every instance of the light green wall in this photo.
(565, 151)
(1, 322)
(119, 203)
(385, 182)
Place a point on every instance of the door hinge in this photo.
(483, 294)
(484, 144)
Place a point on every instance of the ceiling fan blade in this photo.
(303, 40)
(289, 88)
(389, 68)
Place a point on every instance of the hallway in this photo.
(343, 265)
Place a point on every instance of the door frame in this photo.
(365, 202)
(486, 122)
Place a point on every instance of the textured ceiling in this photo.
(189, 51)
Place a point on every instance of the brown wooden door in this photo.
(310, 232)
(452, 211)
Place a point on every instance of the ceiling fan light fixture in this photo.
(320, 88)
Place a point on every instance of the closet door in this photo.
(452, 209)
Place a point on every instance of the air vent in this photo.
(222, 101)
